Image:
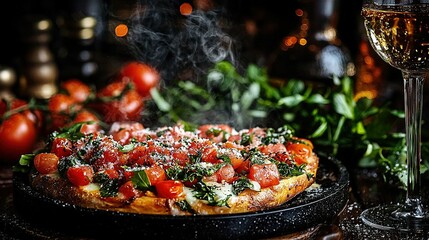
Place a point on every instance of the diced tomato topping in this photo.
(232, 155)
(80, 175)
(195, 147)
(155, 174)
(272, 148)
(46, 163)
(110, 157)
(225, 173)
(300, 152)
(127, 190)
(234, 138)
(138, 156)
(210, 155)
(128, 175)
(181, 157)
(169, 189)
(111, 173)
(243, 168)
(304, 141)
(266, 175)
(232, 144)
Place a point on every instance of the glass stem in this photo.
(413, 94)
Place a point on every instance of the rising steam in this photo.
(178, 46)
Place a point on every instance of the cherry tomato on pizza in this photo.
(169, 189)
(62, 147)
(143, 76)
(46, 163)
(80, 175)
(128, 190)
(155, 174)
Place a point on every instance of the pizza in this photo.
(173, 170)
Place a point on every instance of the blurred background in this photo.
(46, 41)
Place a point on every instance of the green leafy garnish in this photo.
(141, 180)
(360, 132)
(24, 163)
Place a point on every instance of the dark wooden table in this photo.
(366, 190)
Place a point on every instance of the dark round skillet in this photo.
(312, 207)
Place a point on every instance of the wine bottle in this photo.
(313, 52)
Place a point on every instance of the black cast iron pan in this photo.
(37, 213)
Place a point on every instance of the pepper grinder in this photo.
(77, 54)
(7, 82)
(39, 70)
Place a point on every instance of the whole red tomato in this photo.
(143, 76)
(61, 108)
(87, 116)
(118, 103)
(18, 135)
(77, 89)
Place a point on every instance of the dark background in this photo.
(273, 20)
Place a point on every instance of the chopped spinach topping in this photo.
(240, 185)
(281, 135)
(203, 191)
(256, 157)
(192, 172)
(108, 186)
(290, 170)
(246, 139)
(184, 206)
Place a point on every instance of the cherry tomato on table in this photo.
(19, 128)
(117, 103)
(18, 136)
(93, 125)
(77, 90)
(61, 109)
(143, 76)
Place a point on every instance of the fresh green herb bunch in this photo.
(357, 131)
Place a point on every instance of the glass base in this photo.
(395, 217)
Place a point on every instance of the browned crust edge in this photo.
(55, 187)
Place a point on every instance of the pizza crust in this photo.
(53, 186)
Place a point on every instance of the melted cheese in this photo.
(189, 196)
(91, 187)
(222, 190)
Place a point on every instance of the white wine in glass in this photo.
(398, 30)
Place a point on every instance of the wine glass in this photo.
(398, 30)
